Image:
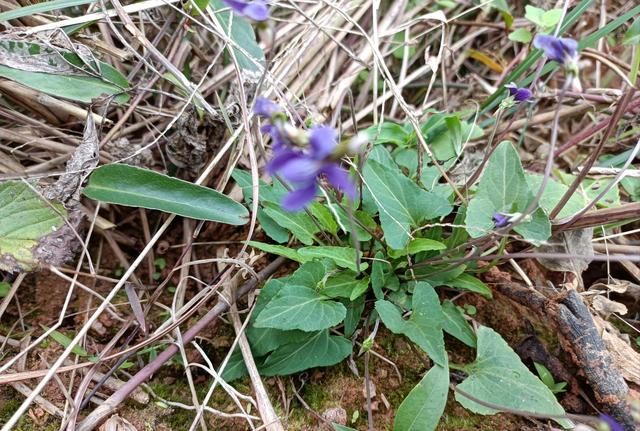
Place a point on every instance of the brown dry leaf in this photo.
(573, 242)
(614, 285)
(605, 306)
(623, 355)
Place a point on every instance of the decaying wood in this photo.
(580, 338)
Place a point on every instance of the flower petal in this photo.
(611, 422)
(257, 11)
(323, 140)
(560, 49)
(339, 178)
(299, 198)
(237, 5)
(300, 169)
(281, 158)
(265, 107)
(500, 220)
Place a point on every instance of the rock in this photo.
(336, 415)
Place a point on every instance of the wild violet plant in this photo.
(328, 291)
(396, 245)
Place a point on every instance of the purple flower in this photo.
(254, 9)
(266, 108)
(560, 49)
(303, 168)
(520, 94)
(501, 220)
(611, 422)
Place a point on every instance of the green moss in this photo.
(10, 401)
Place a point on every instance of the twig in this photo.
(119, 396)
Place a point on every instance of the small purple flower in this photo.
(303, 168)
(253, 9)
(266, 108)
(611, 422)
(519, 94)
(560, 49)
(501, 220)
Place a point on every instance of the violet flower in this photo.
(519, 94)
(266, 108)
(560, 49)
(302, 168)
(501, 220)
(564, 51)
(611, 422)
(253, 9)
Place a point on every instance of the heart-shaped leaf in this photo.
(299, 307)
(499, 377)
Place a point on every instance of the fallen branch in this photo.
(581, 339)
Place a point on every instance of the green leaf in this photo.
(553, 192)
(310, 274)
(338, 427)
(319, 350)
(324, 217)
(535, 15)
(455, 324)
(417, 245)
(4, 289)
(590, 188)
(26, 219)
(271, 228)
(422, 408)
(65, 342)
(240, 31)
(469, 282)
(424, 327)
(632, 35)
(235, 368)
(280, 250)
(268, 193)
(521, 35)
(378, 277)
(299, 224)
(60, 72)
(131, 186)
(447, 133)
(400, 41)
(354, 313)
(551, 17)
(299, 307)
(388, 133)
(265, 340)
(497, 376)
(345, 285)
(402, 205)
(46, 6)
(505, 12)
(545, 375)
(503, 188)
(344, 257)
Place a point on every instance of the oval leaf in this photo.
(424, 405)
(131, 186)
